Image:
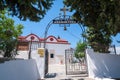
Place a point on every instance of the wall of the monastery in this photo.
(19, 70)
(34, 55)
(35, 38)
(22, 54)
(58, 50)
(103, 65)
(59, 53)
(118, 50)
(35, 45)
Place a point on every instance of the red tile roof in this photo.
(23, 38)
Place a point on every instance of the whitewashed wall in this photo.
(34, 55)
(118, 50)
(19, 70)
(22, 54)
(40, 62)
(59, 50)
(103, 65)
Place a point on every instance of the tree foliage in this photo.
(98, 40)
(80, 49)
(8, 34)
(33, 10)
(102, 18)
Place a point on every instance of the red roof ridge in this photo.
(42, 39)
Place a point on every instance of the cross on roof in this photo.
(64, 9)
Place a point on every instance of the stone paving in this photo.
(57, 72)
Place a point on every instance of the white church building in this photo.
(56, 47)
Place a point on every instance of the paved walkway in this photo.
(57, 72)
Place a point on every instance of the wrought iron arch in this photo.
(63, 19)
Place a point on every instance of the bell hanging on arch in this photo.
(65, 28)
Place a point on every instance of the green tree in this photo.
(8, 34)
(98, 40)
(80, 49)
(34, 10)
(101, 17)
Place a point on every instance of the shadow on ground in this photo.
(72, 79)
(50, 75)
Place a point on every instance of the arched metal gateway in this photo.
(71, 67)
(64, 20)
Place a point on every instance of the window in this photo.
(52, 55)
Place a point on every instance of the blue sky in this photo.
(73, 33)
